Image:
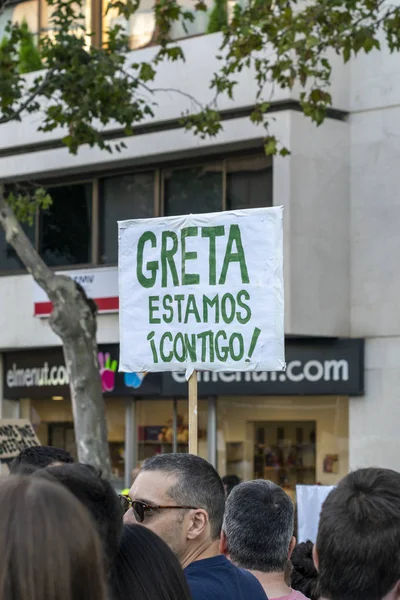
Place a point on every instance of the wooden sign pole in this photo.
(193, 416)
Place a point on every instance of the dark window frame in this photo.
(101, 204)
(96, 181)
(193, 165)
(94, 227)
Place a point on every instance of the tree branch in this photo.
(187, 95)
(3, 5)
(36, 92)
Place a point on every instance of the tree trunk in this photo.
(155, 38)
(74, 320)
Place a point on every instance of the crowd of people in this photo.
(182, 533)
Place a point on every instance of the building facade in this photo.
(336, 406)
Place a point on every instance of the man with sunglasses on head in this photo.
(181, 498)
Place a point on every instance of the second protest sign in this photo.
(202, 292)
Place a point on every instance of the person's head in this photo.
(258, 527)
(185, 481)
(230, 481)
(49, 547)
(304, 576)
(357, 549)
(38, 457)
(146, 569)
(98, 496)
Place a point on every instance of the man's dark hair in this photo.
(258, 526)
(98, 496)
(38, 457)
(197, 484)
(359, 537)
(230, 481)
(304, 574)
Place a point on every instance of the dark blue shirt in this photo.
(217, 578)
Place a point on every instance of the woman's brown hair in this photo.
(48, 545)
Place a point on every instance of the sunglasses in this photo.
(141, 508)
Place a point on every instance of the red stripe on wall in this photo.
(104, 304)
(108, 303)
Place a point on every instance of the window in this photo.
(140, 28)
(65, 232)
(193, 190)
(249, 182)
(66, 227)
(17, 12)
(123, 197)
(46, 18)
(289, 440)
(199, 24)
(8, 257)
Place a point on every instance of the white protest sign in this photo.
(15, 435)
(310, 499)
(202, 292)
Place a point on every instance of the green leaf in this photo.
(312, 41)
(270, 145)
(346, 53)
(147, 72)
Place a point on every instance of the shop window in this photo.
(66, 227)
(155, 428)
(193, 189)
(285, 453)
(288, 440)
(62, 435)
(159, 420)
(249, 182)
(54, 425)
(9, 260)
(123, 197)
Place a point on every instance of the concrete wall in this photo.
(190, 80)
(318, 233)
(375, 251)
(375, 418)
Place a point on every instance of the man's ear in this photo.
(292, 546)
(315, 557)
(223, 544)
(198, 523)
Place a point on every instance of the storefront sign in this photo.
(15, 435)
(314, 367)
(202, 292)
(42, 374)
(99, 284)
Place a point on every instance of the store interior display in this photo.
(158, 439)
(271, 439)
(285, 453)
